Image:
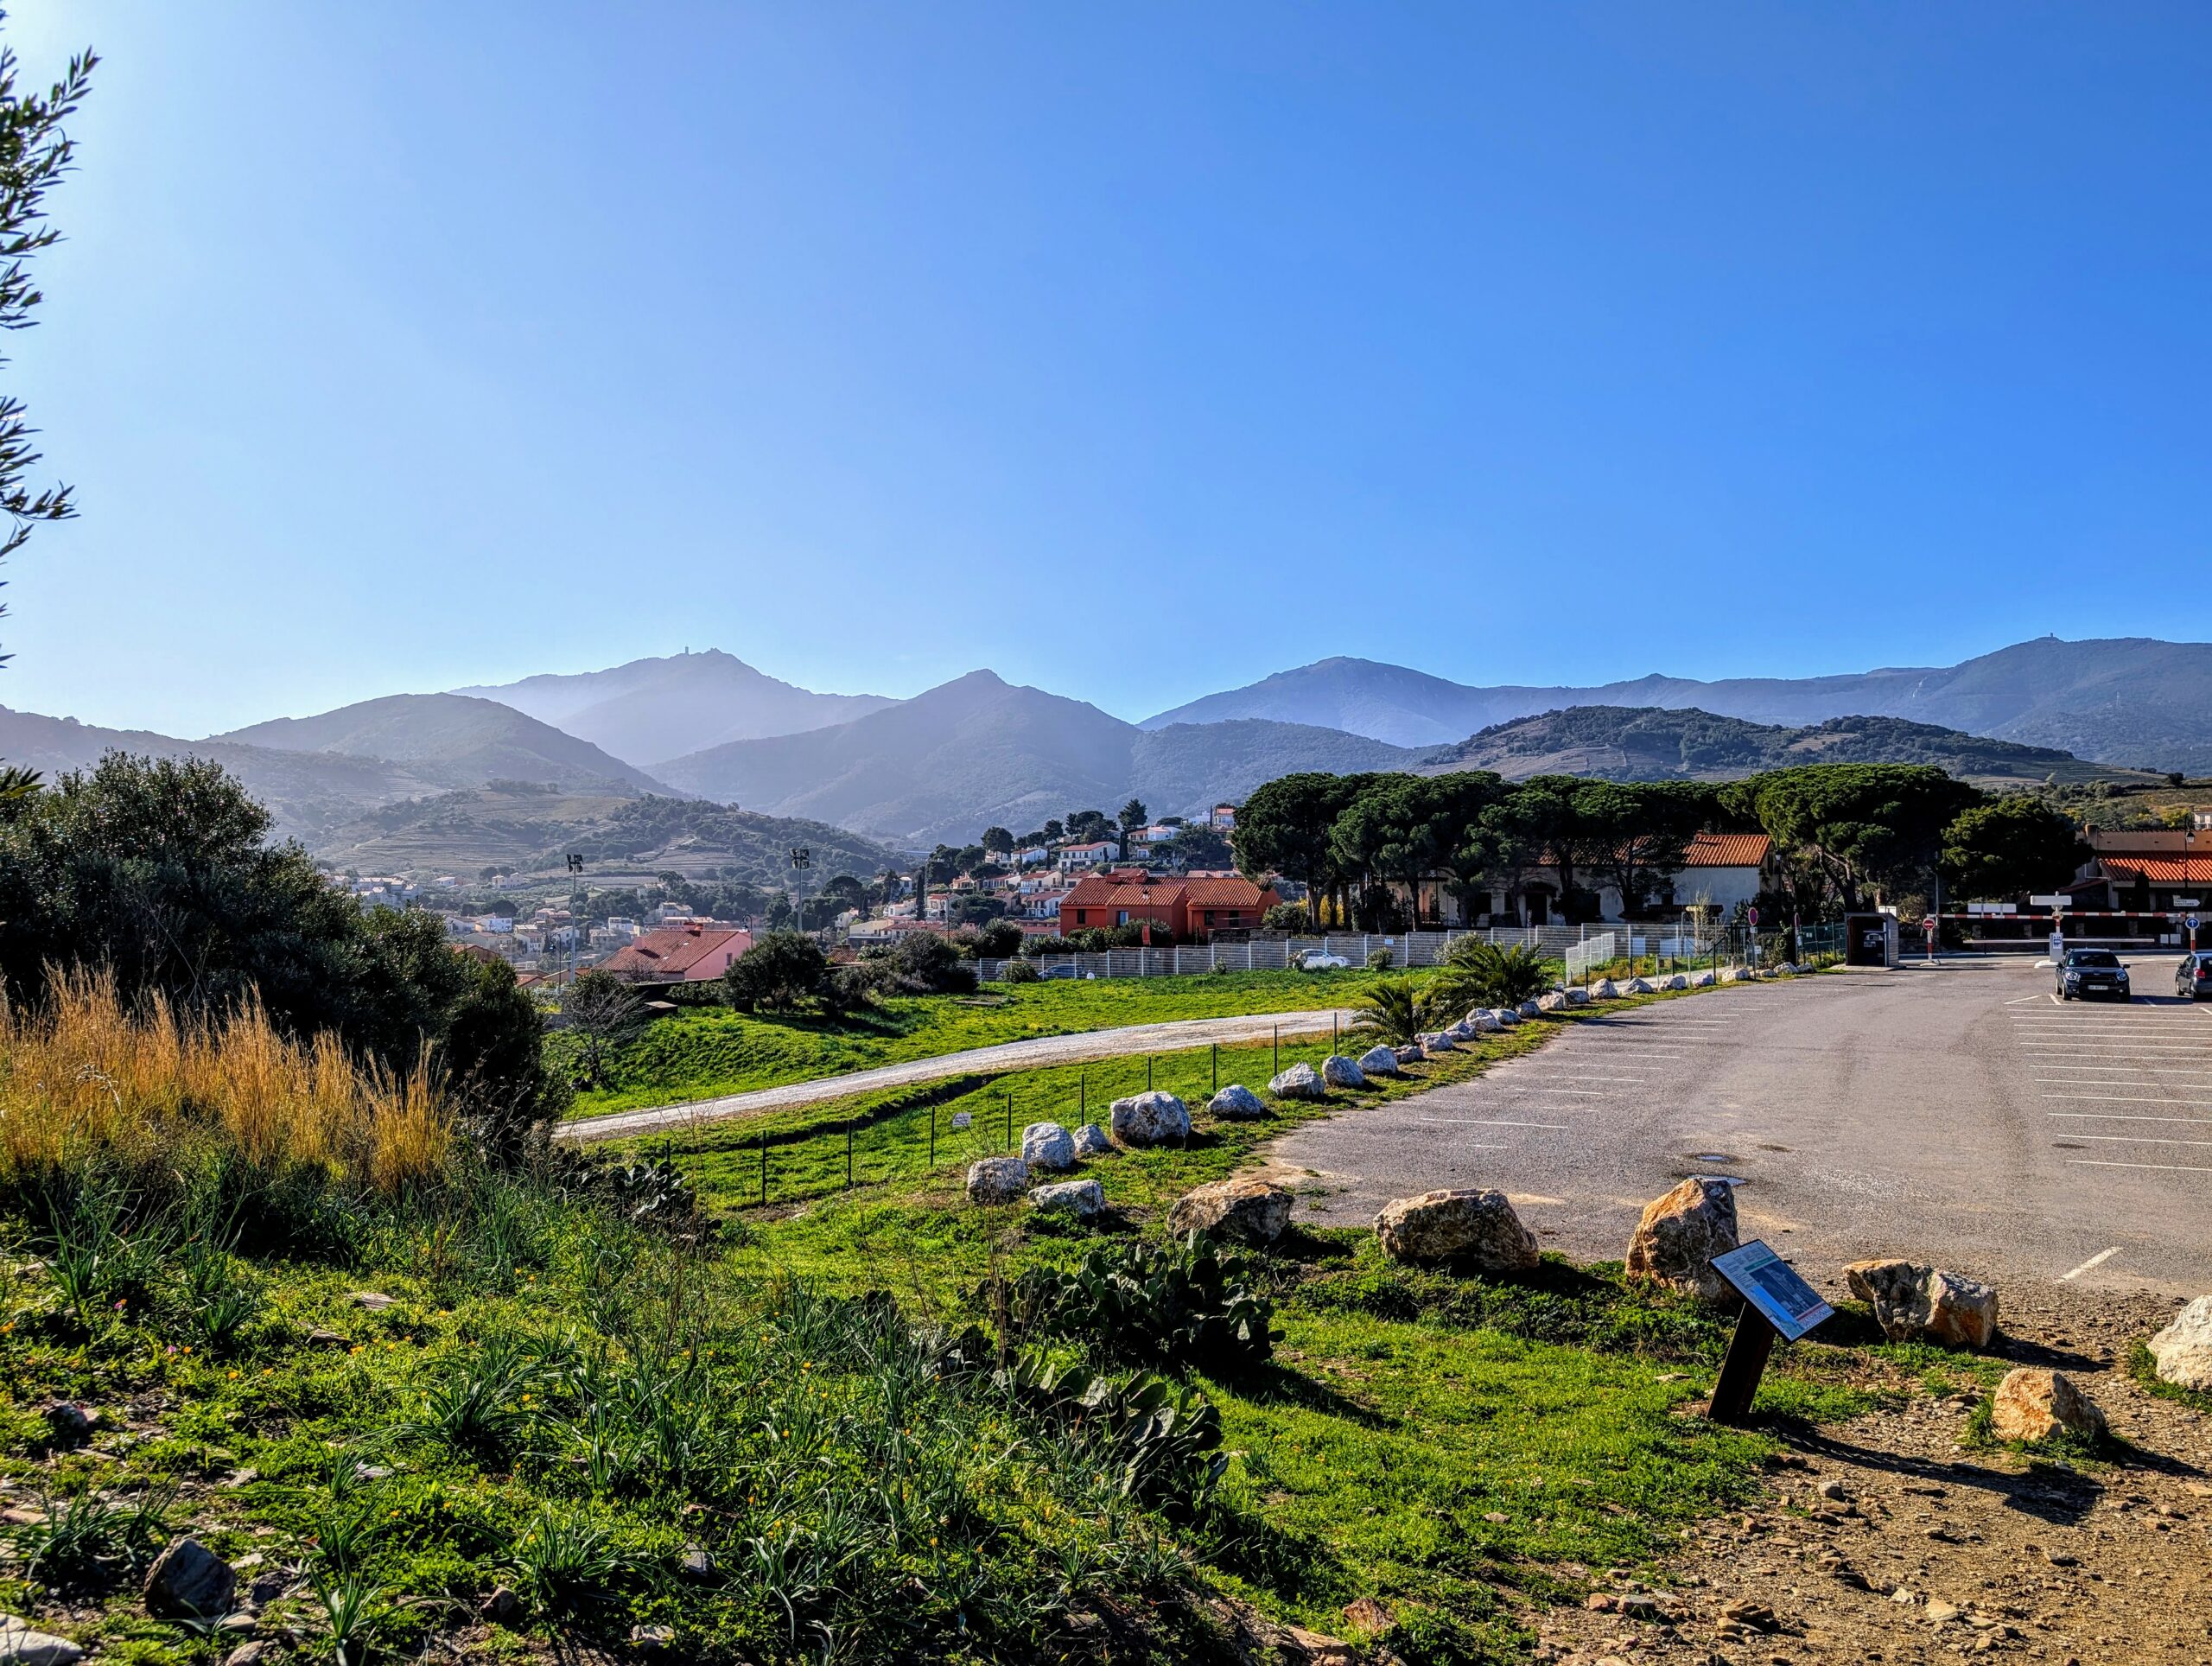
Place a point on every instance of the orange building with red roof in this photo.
(682, 954)
(1190, 908)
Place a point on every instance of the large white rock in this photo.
(1254, 1210)
(1081, 1199)
(1551, 1001)
(1507, 1017)
(1482, 1021)
(1339, 1071)
(1299, 1082)
(1915, 1303)
(1701, 980)
(1411, 1055)
(1091, 1141)
(1604, 989)
(1477, 1228)
(997, 1180)
(2183, 1350)
(1677, 981)
(1462, 1030)
(1642, 986)
(1577, 997)
(1735, 974)
(1379, 1061)
(1532, 1009)
(1047, 1145)
(1788, 968)
(21, 1646)
(1238, 1103)
(1680, 1234)
(1436, 1041)
(1151, 1118)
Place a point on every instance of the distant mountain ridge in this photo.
(650, 710)
(454, 739)
(1623, 743)
(978, 750)
(2132, 701)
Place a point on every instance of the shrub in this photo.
(1381, 960)
(1288, 917)
(1181, 1303)
(778, 971)
(922, 962)
(1479, 974)
(1395, 1010)
(1022, 971)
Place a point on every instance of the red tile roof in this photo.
(1727, 850)
(671, 953)
(2158, 870)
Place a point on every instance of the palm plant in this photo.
(1479, 974)
(1396, 1009)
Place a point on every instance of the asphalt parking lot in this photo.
(1958, 1113)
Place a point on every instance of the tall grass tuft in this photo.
(87, 1083)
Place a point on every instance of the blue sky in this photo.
(1132, 350)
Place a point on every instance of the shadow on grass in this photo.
(1276, 1384)
(1291, 1567)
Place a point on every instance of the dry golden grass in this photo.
(86, 1079)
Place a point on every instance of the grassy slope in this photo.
(701, 1055)
(1404, 1410)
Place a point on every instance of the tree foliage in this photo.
(2008, 847)
(35, 153)
(1865, 827)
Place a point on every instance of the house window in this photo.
(1122, 917)
(1081, 914)
(1208, 916)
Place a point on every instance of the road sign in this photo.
(2191, 923)
(2057, 901)
(1752, 915)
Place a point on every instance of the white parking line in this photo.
(2122, 1116)
(2129, 1098)
(2097, 1260)
(2168, 1168)
(1500, 1121)
(2138, 1139)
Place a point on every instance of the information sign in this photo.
(1771, 1284)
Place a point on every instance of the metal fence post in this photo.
(848, 1154)
(764, 1170)
(1217, 1067)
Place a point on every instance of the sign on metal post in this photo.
(1776, 1302)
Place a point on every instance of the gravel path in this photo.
(1174, 1037)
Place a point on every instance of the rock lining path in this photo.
(1175, 1036)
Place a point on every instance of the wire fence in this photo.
(947, 1125)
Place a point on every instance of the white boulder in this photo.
(1339, 1071)
(1482, 1021)
(1433, 1042)
(1507, 1017)
(1532, 1009)
(2183, 1352)
(997, 1180)
(1411, 1055)
(1701, 980)
(1551, 1001)
(1577, 997)
(1379, 1061)
(1091, 1141)
(1604, 989)
(1085, 1199)
(1299, 1082)
(1237, 1102)
(1677, 981)
(1154, 1117)
(1642, 986)
(21, 1646)
(1916, 1303)
(1254, 1210)
(1047, 1145)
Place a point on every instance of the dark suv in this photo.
(2087, 972)
(2193, 976)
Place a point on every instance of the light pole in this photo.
(2188, 850)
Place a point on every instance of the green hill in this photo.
(1629, 743)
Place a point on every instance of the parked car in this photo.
(2088, 973)
(2193, 976)
(1317, 962)
(1057, 971)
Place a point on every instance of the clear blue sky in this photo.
(1133, 351)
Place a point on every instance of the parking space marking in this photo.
(1501, 1122)
(2097, 1260)
(2168, 1168)
(2138, 1139)
(2130, 1099)
(2123, 1116)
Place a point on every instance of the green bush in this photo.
(1479, 974)
(781, 970)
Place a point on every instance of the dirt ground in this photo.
(1892, 1539)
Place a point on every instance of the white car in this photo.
(1318, 962)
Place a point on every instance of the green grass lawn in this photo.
(704, 1054)
(1463, 1450)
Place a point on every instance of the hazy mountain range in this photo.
(2126, 699)
(974, 751)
